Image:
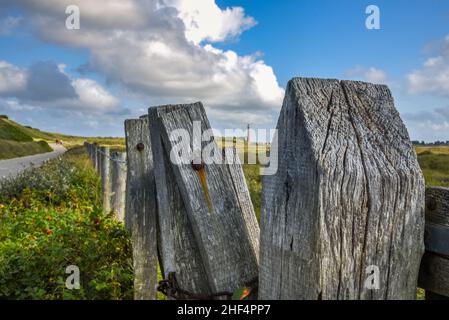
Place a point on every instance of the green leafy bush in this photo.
(51, 218)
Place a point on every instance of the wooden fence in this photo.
(342, 218)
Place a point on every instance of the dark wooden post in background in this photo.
(105, 178)
(118, 184)
(98, 160)
(140, 212)
(434, 272)
(221, 230)
(348, 195)
(94, 155)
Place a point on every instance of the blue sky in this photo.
(234, 55)
(326, 37)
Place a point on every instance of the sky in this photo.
(236, 56)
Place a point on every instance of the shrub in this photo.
(51, 218)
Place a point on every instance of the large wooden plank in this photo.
(434, 274)
(178, 249)
(437, 205)
(434, 271)
(141, 208)
(220, 228)
(349, 194)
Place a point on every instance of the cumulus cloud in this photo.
(12, 78)
(433, 77)
(371, 74)
(45, 85)
(163, 50)
(205, 21)
(45, 82)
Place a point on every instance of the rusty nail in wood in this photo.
(140, 146)
(431, 204)
(197, 167)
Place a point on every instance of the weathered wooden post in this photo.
(98, 159)
(222, 231)
(179, 252)
(86, 146)
(140, 213)
(118, 194)
(343, 217)
(105, 178)
(434, 271)
(91, 153)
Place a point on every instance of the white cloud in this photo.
(12, 78)
(371, 74)
(94, 96)
(433, 77)
(204, 20)
(155, 49)
(45, 85)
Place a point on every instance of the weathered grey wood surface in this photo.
(434, 271)
(219, 226)
(178, 249)
(118, 195)
(105, 174)
(237, 175)
(349, 194)
(141, 208)
(437, 206)
(98, 160)
(434, 274)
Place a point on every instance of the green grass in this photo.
(50, 218)
(9, 131)
(15, 141)
(13, 149)
(434, 162)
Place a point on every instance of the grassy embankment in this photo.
(15, 142)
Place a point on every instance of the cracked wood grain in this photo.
(178, 249)
(223, 230)
(140, 213)
(348, 194)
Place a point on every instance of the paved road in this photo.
(11, 167)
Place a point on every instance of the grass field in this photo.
(434, 162)
(11, 149)
(16, 142)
